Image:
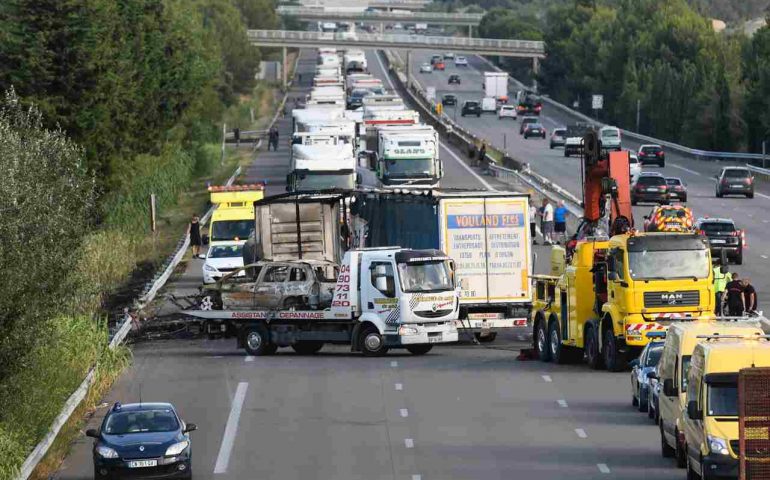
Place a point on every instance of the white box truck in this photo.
(496, 86)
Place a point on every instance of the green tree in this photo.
(756, 67)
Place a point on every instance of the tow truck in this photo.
(613, 285)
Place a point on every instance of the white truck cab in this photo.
(322, 166)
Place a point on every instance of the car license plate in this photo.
(142, 463)
(736, 186)
(717, 240)
(436, 338)
(652, 189)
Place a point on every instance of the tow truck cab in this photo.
(615, 291)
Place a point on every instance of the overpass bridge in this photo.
(380, 17)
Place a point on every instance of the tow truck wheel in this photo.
(307, 347)
(541, 342)
(593, 358)
(419, 349)
(665, 448)
(554, 343)
(256, 340)
(681, 452)
(610, 352)
(372, 343)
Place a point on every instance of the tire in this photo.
(541, 342)
(750, 195)
(739, 259)
(271, 349)
(612, 358)
(419, 349)
(307, 347)
(665, 448)
(556, 349)
(256, 340)
(684, 199)
(478, 115)
(592, 353)
(643, 405)
(691, 475)
(487, 339)
(551, 145)
(633, 201)
(634, 400)
(566, 153)
(291, 303)
(371, 342)
(650, 409)
(719, 194)
(680, 452)
(662, 164)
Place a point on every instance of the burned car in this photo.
(300, 284)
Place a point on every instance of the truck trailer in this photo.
(496, 86)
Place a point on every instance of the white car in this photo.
(221, 259)
(634, 166)
(449, 55)
(460, 60)
(507, 111)
(426, 68)
(610, 138)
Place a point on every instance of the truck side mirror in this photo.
(668, 387)
(613, 276)
(692, 410)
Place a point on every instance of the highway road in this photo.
(461, 412)
(750, 214)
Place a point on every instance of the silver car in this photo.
(642, 372)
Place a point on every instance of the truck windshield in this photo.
(231, 229)
(667, 264)
(425, 276)
(418, 167)
(723, 400)
(325, 180)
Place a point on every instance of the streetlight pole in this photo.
(638, 111)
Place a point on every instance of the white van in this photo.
(489, 104)
(610, 138)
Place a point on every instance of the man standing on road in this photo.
(533, 222)
(547, 222)
(194, 229)
(721, 277)
(560, 223)
(749, 295)
(735, 302)
(272, 139)
(483, 155)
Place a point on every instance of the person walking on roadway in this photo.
(194, 230)
(560, 223)
(533, 222)
(547, 222)
(721, 277)
(483, 154)
(272, 139)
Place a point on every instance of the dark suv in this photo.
(471, 107)
(723, 238)
(650, 188)
(449, 100)
(652, 154)
(454, 79)
(735, 180)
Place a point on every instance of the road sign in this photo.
(597, 102)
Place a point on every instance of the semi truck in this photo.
(496, 86)
(319, 167)
(485, 233)
(355, 62)
(529, 103)
(400, 156)
(232, 217)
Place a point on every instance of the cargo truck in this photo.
(355, 62)
(232, 219)
(320, 167)
(401, 156)
(496, 86)
(486, 234)
(529, 103)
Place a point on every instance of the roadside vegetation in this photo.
(105, 102)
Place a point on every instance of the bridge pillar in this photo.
(409, 69)
(470, 31)
(284, 73)
(535, 70)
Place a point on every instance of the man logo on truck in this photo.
(671, 298)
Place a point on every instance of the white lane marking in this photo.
(685, 169)
(384, 70)
(249, 358)
(762, 195)
(581, 433)
(562, 403)
(547, 378)
(603, 467)
(416, 477)
(231, 429)
(765, 221)
(469, 169)
(764, 256)
(404, 412)
(399, 386)
(408, 443)
(216, 356)
(393, 363)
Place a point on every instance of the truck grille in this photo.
(683, 298)
(432, 314)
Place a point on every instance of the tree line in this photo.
(658, 58)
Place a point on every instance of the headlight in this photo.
(406, 330)
(718, 445)
(106, 452)
(177, 448)
(209, 268)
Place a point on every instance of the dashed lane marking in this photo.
(562, 403)
(603, 467)
(231, 429)
(393, 363)
(764, 256)
(547, 378)
(767, 197)
(684, 169)
(469, 169)
(581, 433)
(404, 412)
(408, 443)
(416, 477)
(249, 358)
(399, 386)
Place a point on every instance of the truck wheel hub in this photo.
(254, 340)
(554, 342)
(540, 340)
(373, 341)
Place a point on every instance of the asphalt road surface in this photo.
(461, 412)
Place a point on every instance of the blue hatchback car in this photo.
(643, 372)
(142, 440)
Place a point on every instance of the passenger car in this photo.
(634, 167)
(641, 368)
(526, 121)
(142, 440)
(677, 189)
(669, 218)
(449, 100)
(426, 68)
(454, 78)
(558, 137)
(449, 56)
(650, 187)
(534, 130)
(461, 61)
(439, 65)
(471, 107)
(574, 139)
(221, 259)
(652, 154)
(610, 138)
(723, 238)
(507, 111)
(735, 181)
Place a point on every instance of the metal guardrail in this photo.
(483, 46)
(330, 14)
(759, 170)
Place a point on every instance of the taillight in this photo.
(748, 181)
(538, 108)
(660, 154)
(701, 232)
(724, 181)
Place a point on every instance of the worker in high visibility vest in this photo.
(721, 277)
(439, 108)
